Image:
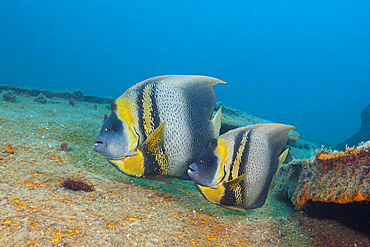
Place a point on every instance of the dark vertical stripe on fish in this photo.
(139, 103)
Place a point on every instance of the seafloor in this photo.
(36, 210)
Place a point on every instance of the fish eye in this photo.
(115, 127)
(209, 162)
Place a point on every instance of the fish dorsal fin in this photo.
(235, 182)
(153, 144)
(216, 121)
(282, 158)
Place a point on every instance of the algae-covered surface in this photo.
(36, 210)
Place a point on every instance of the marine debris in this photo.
(362, 135)
(77, 183)
(337, 177)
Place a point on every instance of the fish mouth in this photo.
(193, 171)
(100, 144)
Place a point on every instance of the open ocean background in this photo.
(305, 63)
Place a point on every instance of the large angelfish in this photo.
(237, 168)
(160, 126)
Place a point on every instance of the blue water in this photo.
(305, 63)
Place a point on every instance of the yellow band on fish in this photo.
(133, 165)
(213, 195)
(127, 117)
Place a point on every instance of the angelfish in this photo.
(237, 168)
(159, 126)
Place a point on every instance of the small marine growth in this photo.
(105, 117)
(63, 146)
(72, 102)
(77, 183)
(9, 149)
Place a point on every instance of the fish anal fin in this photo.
(232, 207)
(282, 158)
(235, 182)
(153, 144)
(163, 181)
(132, 166)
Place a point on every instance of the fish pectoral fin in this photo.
(153, 144)
(282, 158)
(216, 121)
(163, 181)
(232, 207)
(128, 154)
(234, 182)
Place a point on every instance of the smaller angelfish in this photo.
(237, 168)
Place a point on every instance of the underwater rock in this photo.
(40, 99)
(77, 94)
(233, 118)
(9, 96)
(331, 177)
(362, 135)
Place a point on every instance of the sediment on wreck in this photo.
(329, 177)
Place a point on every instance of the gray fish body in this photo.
(183, 104)
(237, 168)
